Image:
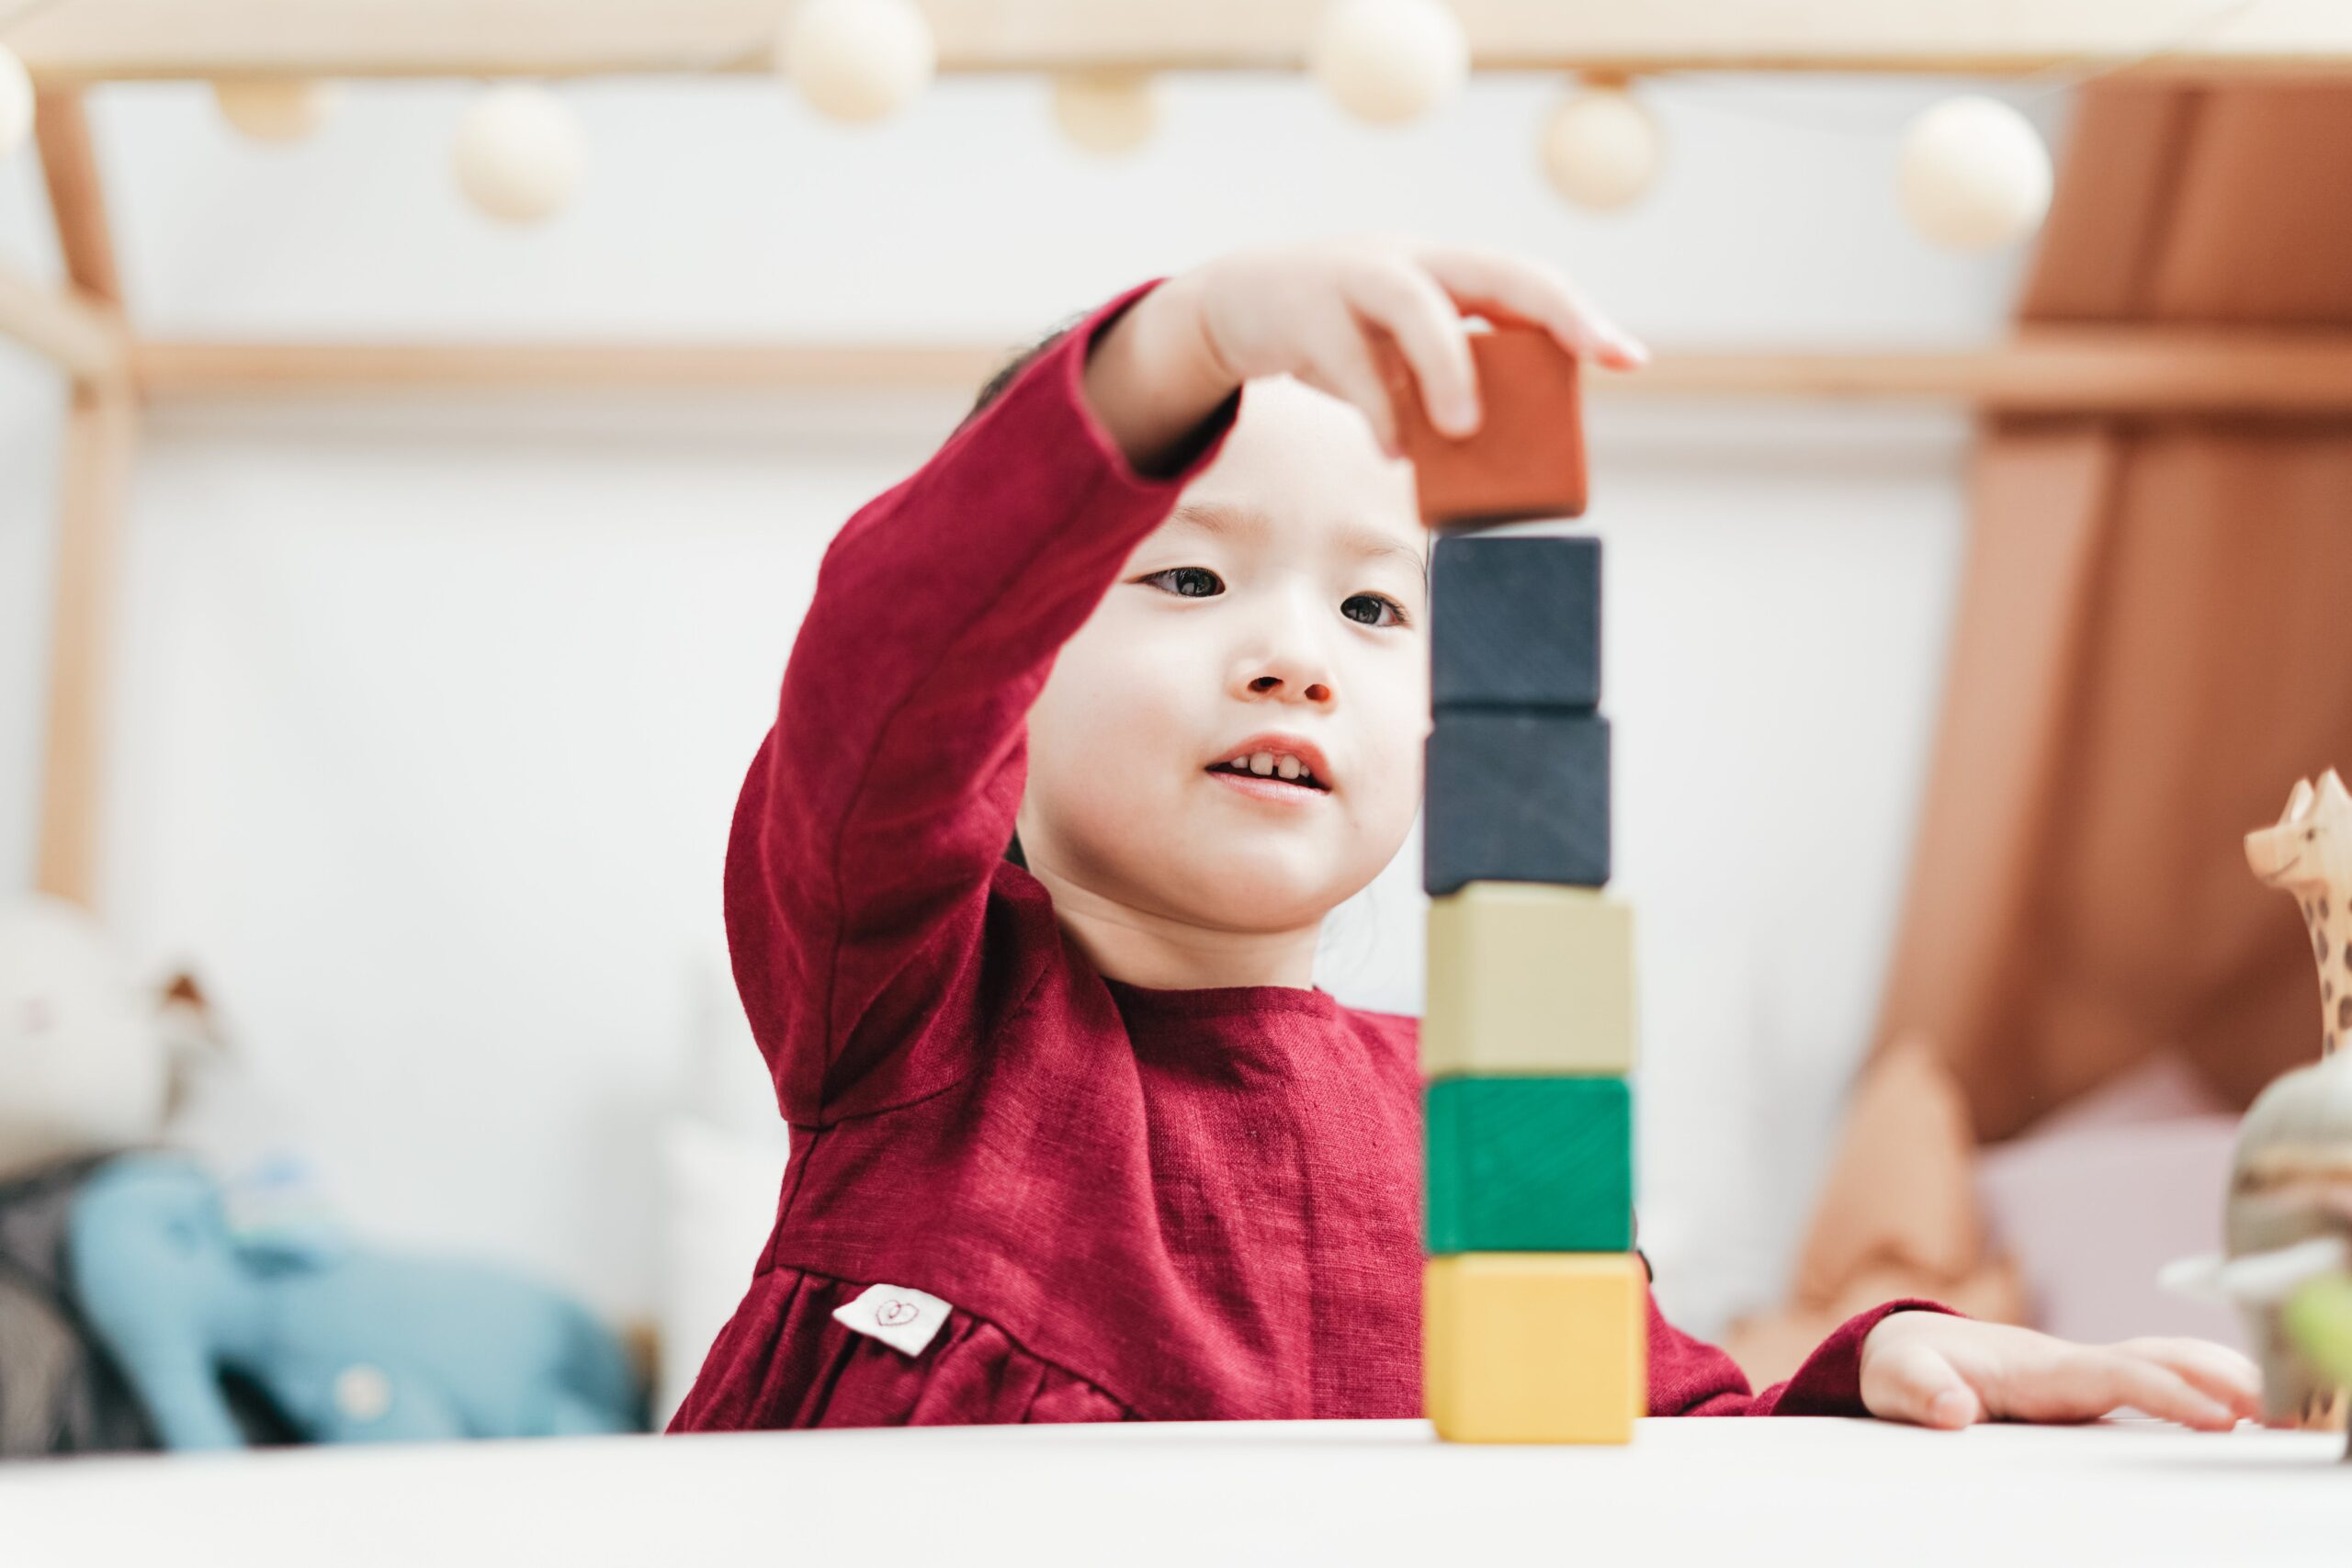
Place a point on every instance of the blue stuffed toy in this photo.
(350, 1345)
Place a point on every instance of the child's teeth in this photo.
(1271, 764)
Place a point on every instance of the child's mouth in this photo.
(1270, 775)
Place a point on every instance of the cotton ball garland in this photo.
(1389, 60)
(1602, 149)
(82, 1068)
(275, 109)
(519, 153)
(16, 103)
(1107, 112)
(1974, 174)
(858, 60)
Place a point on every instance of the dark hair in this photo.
(997, 384)
(1006, 374)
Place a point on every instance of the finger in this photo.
(2216, 1371)
(1480, 281)
(1507, 291)
(2116, 1378)
(1921, 1386)
(1341, 364)
(1428, 330)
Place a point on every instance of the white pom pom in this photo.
(1974, 174)
(1107, 112)
(15, 104)
(858, 60)
(1603, 150)
(83, 1067)
(1389, 60)
(519, 153)
(274, 109)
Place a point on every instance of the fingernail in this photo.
(1462, 415)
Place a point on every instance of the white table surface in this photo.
(1752, 1491)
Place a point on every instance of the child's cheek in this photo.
(1110, 711)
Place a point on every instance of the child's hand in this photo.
(1938, 1370)
(1320, 313)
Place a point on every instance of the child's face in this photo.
(1287, 595)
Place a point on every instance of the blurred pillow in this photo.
(2097, 1199)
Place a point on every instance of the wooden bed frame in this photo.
(83, 328)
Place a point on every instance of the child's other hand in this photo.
(1938, 1370)
(1320, 313)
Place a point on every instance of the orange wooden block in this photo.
(1526, 458)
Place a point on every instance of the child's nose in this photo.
(1278, 686)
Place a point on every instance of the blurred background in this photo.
(429, 706)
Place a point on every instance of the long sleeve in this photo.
(1690, 1377)
(879, 806)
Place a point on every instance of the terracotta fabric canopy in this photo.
(2154, 642)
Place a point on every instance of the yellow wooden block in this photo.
(1528, 978)
(1534, 1347)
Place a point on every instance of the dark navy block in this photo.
(1516, 794)
(1515, 622)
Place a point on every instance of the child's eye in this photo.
(1367, 608)
(1189, 581)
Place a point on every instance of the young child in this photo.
(1074, 1135)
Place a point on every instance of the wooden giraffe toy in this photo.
(2288, 1220)
(2308, 856)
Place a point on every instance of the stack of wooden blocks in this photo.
(1534, 1303)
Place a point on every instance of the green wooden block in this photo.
(1529, 1164)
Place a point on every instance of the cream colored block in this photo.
(1534, 1347)
(1528, 978)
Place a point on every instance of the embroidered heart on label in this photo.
(901, 1316)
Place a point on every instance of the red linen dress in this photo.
(1083, 1200)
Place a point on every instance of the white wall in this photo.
(433, 715)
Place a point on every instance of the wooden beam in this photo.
(78, 327)
(84, 40)
(100, 432)
(187, 369)
(79, 335)
(69, 165)
(2122, 370)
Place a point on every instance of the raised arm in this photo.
(877, 810)
(881, 802)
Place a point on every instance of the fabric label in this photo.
(898, 1315)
